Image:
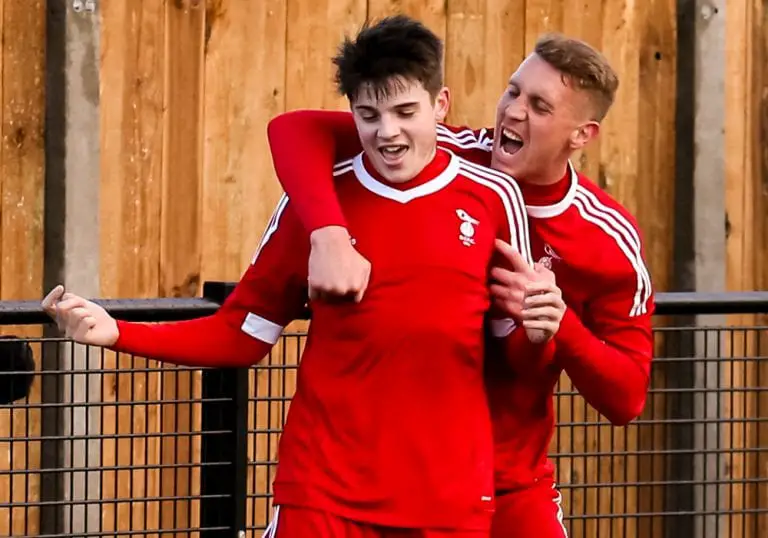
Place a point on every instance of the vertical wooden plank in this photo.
(132, 121)
(432, 13)
(745, 187)
(542, 16)
(761, 210)
(244, 89)
(484, 45)
(739, 267)
(315, 31)
(465, 63)
(584, 20)
(504, 49)
(654, 210)
(22, 112)
(180, 237)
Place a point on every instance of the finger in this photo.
(71, 303)
(74, 318)
(506, 293)
(53, 297)
(544, 299)
(543, 313)
(539, 287)
(83, 328)
(515, 259)
(363, 288)
(509, 278)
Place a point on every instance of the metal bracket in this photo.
(89, 6)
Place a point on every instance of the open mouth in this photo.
(393, 153)
(511, 142)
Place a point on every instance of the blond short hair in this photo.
(583, 67)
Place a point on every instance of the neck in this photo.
(550, 175)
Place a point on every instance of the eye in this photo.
(407, 113)
(367, 116)
(513, 91)
(541, 107)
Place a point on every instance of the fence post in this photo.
(224, 458)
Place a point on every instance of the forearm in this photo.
(305, 145)
(613, 381)
(203, 342)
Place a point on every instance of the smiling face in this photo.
(397, 126)
(541, 119)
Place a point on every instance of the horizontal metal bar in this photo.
(149, 310)
(698, 303)
(165, 531)
(179, 308)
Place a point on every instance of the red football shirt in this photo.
(389, 424)
(592, 244)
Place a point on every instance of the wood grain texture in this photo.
(22, 166)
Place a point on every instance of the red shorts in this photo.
(295, 522)
(533, 512)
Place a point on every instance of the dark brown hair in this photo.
(583, 67)
(383, 56)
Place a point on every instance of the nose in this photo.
(516, 110)
(388, 128)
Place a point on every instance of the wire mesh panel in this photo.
(117, 450)
(108, 444)
(694, 464)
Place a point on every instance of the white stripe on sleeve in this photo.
(261, 329)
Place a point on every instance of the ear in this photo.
(442, 104)
(584, 134)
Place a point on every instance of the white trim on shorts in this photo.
(271, 530)
(560, 516)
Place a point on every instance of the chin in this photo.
(506, 163)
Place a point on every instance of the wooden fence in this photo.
(186, 88)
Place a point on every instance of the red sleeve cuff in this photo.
(327, 217)
(128, 335)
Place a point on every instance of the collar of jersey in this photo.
(549, 211)
(405, 195)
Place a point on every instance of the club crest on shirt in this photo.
(550, 255)
(467, 227)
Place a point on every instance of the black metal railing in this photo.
(108, 444)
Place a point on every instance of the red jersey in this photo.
(592, 244)
(389, 424)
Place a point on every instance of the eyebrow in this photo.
(367, 108)
(532, 96)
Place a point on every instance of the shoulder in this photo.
(465, 137)
(598, 200)
(618, 240)
(344, 166)
(487, 179)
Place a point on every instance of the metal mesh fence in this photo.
(113, 445)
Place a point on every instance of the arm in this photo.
(323, 138)
(607, 354)
(271, 293)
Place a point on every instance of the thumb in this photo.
(53, 297)
(515, 259)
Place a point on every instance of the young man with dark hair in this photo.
(553, 106)
(389, 431)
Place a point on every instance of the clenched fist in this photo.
(336, 269)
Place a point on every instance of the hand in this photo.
(336, 269)
(543, 309)
(509, 282)
(81, 320)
